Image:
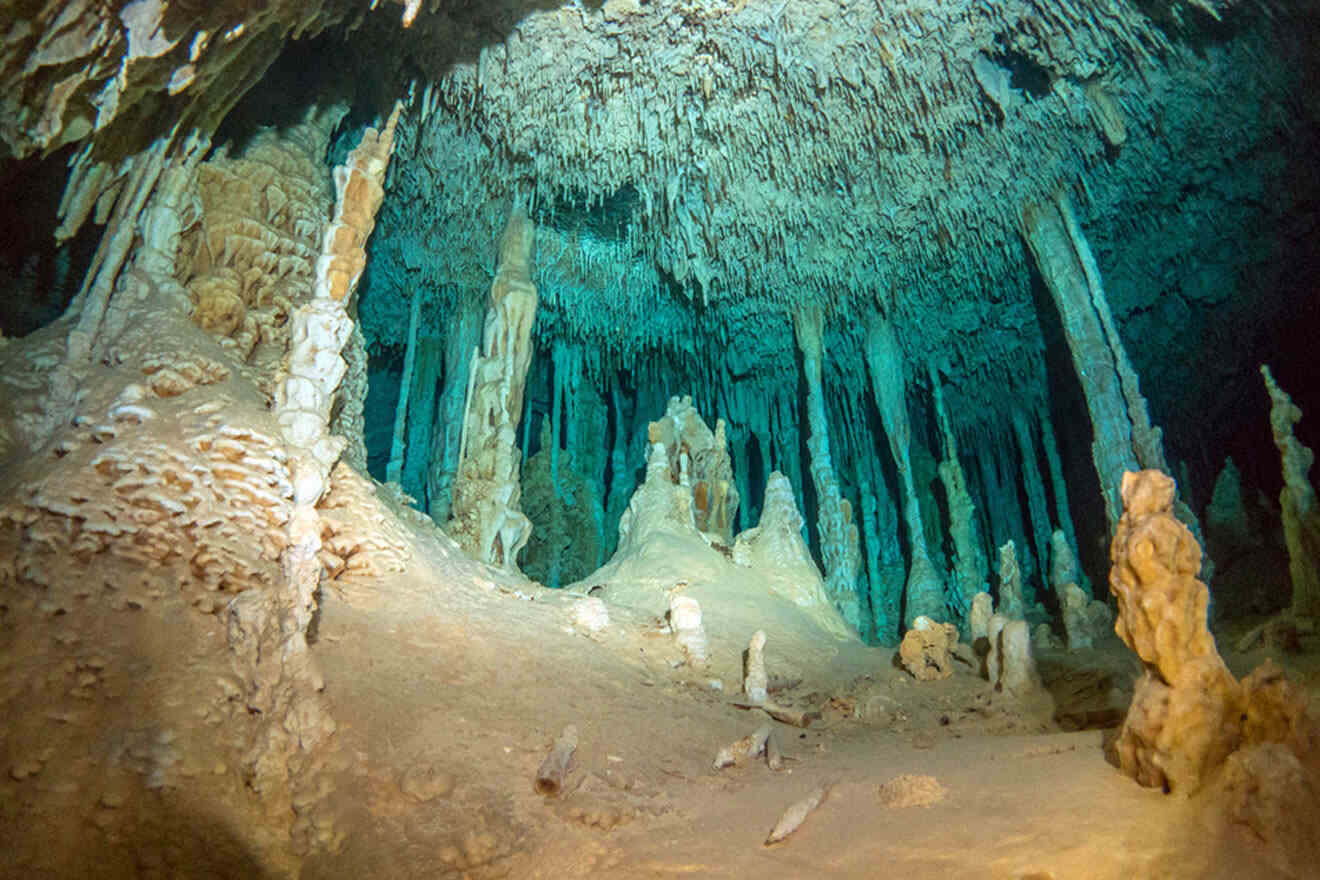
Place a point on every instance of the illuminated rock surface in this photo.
(767, 322)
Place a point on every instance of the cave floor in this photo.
(450, 690)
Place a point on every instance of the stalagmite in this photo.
(486, 519)
(775, 546)
(1301, 519)
(838, 533)
(421, 419)
(754, 677)
(924, 592)
(1186, 712)
(689, 633)
(394, 469)
(1011, 603)
(969, 565)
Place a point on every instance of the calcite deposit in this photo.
(1189, 713)
(1301, 518)
(486, 517)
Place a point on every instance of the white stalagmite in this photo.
(486, 518)
(924, 591)
(838, 532)
(755, 681)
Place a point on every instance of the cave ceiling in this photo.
(700, 170)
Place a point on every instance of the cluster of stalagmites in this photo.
(1190, 716)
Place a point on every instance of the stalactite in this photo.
(464, 335)
(838, 533)
(486, 518)
(394, 469)
(924, 592)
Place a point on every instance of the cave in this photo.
(653, 437)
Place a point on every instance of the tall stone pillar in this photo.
(486, 517)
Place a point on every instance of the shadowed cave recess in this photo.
(328, 324)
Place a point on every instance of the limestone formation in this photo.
(1227, 527)
(1185, 715)
(1084, 619)
(1123, 435)
(1301, 518)
(969, 564)
(1063, 562)
(689, 633)
(927, 649)
(838, 533)
(253, 253)
(699, 460)
(979, 619)
(924, 591)
(775, 546)
(565, 545)
(590, 615)
(1010, 583)
(755, 680)
(487, 519)
(1189, 716)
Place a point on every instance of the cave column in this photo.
(320, 330)
(1124, 439)
(969, 564)
(486, 518)
(838, 533)
(1034, 487)
(394, 469)
(923, 591)
(421, 417)
(464, 336)
(1062, 514)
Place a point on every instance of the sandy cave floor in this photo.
(452, 688)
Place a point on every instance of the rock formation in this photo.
(927, 649)
(564, 545)
(1227, 527)
(969, 563)
(924, 592)
(1010, 604)
(699, 461)
(486, 518)
(1185, 715)
(838, 532)
(775, 546)
(1189, 715)
(1301, 519)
